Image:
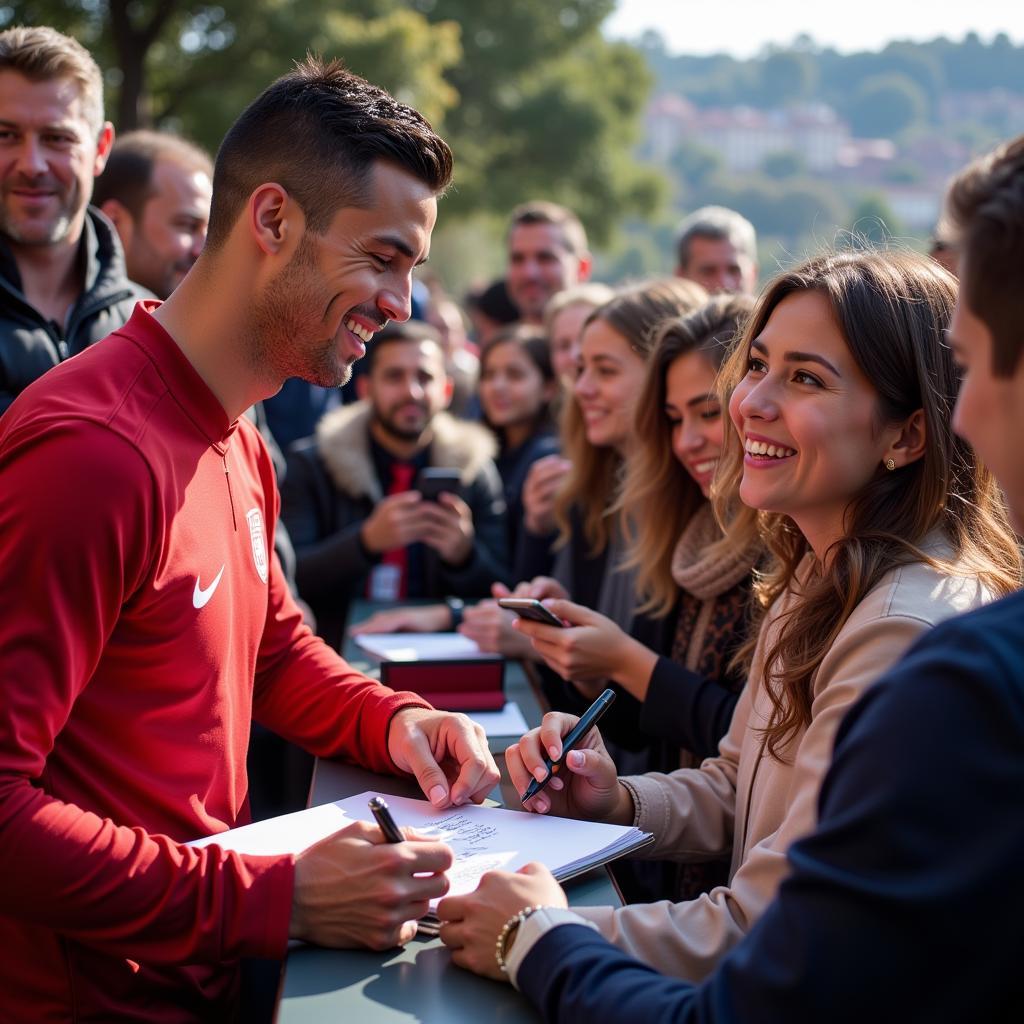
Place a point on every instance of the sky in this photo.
(746, 26)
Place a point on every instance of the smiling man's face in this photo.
(315, 319)
(49, 157)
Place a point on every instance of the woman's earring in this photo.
(890, 464)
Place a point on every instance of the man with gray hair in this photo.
(717, 248)
(62, 275)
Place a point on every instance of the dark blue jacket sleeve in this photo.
(688, 709)
(905, 904)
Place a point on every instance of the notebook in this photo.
(482, 838)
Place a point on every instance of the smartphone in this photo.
(530, 608)
(431, 481)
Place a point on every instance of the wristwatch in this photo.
(455, 608)
(508, 933)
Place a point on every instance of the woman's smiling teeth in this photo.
(359, 331)
(762, 448)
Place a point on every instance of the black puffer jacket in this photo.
(29, 343)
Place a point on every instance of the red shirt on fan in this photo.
(144, 621)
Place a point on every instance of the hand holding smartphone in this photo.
(530, 608)
(432, 481)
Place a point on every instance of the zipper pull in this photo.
(231, 497)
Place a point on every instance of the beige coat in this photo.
(747, 804)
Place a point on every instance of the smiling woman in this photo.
(842, 371)
(845, 459)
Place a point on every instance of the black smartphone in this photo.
(431, 481)
(530, 608)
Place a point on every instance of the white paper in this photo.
(288, 833)
(508, 721)
(419, 646)
(482, 838)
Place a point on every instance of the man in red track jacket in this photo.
(144, 620)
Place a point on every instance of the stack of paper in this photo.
(420, 646)
(482, 838)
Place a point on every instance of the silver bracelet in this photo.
(508, 930)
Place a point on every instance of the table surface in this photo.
(418, 983)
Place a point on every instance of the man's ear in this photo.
(122, 220)
(276, 222)
(103, 144)
(363, 386)
(909, 445)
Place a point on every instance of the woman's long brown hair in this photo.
(893, 309)
(659, 496)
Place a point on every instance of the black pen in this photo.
(379, 807)
(590, 718)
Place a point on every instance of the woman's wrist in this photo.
(633, 667)
(624, 811)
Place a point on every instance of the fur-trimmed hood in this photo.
(343, 440)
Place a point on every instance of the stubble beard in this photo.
(389, 426)
(280, 323)
(42, 235)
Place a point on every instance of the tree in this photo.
(886, 105)
(511, 86)
(873, 220)
(547, 107)
(782, 164)
(694, 164)
(786, 76)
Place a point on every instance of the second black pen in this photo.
(587, 722)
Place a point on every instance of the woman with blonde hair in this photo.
(703, 594)
(564, 317)
(598, 439)
(880, 523)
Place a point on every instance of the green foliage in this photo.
(886, 105)
(783, 164)
(530, 122)
(936, 66)
(787, 76)
(695, 164)
(873, 220)
(510, 85)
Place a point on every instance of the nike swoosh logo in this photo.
(200, 596)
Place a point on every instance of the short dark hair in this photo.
(128, 176)
(410, 330)
(985, 207)
(317, 132)
(540, 211)
(493, 301)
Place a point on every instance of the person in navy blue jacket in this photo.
(907, 902)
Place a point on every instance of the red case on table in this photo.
(457, 684)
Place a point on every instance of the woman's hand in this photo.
(587, 788)
(543, 480)
(590, 650)
(430, 618)
(490, 627)
(471, 924)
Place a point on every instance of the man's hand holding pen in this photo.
(355, 888)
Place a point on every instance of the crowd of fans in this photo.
(745, 506)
